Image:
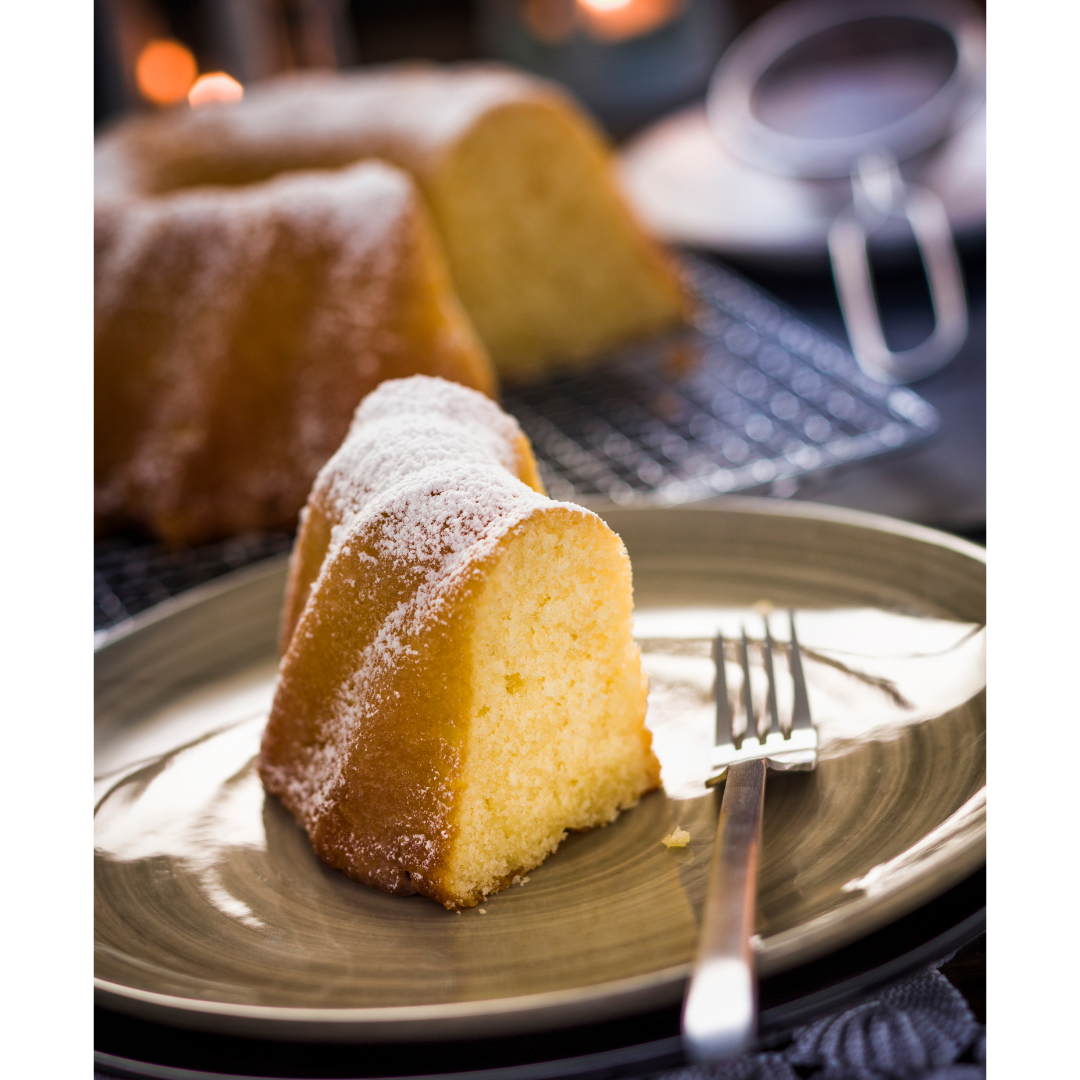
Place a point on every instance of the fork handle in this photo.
(719, 1019)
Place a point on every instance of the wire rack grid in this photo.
(750, 398)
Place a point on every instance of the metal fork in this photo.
(719, 1019)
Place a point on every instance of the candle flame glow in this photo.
(621, 20)
(165, 71)
(215, 86)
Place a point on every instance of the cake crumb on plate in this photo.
(676, 838)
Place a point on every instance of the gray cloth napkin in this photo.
(919, 1029)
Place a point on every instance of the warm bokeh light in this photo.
(214, 86)
(165, 71)
(620, 20)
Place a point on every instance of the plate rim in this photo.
(527, 1012)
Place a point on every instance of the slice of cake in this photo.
(459, 685)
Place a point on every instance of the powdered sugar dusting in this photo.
(435, 457)
(192, 262)
(359, 206)
(408, 425)
(435, 104)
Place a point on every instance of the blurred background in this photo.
(727, 117)
(671, 44)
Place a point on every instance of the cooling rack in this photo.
(749, 400)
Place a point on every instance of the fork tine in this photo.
(747, 696)
(800, 713)
(774, 713)
(724, 734)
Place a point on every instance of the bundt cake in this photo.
(459, 683)
(238, 328)
(544, 253)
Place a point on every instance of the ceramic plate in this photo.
(212, 911)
